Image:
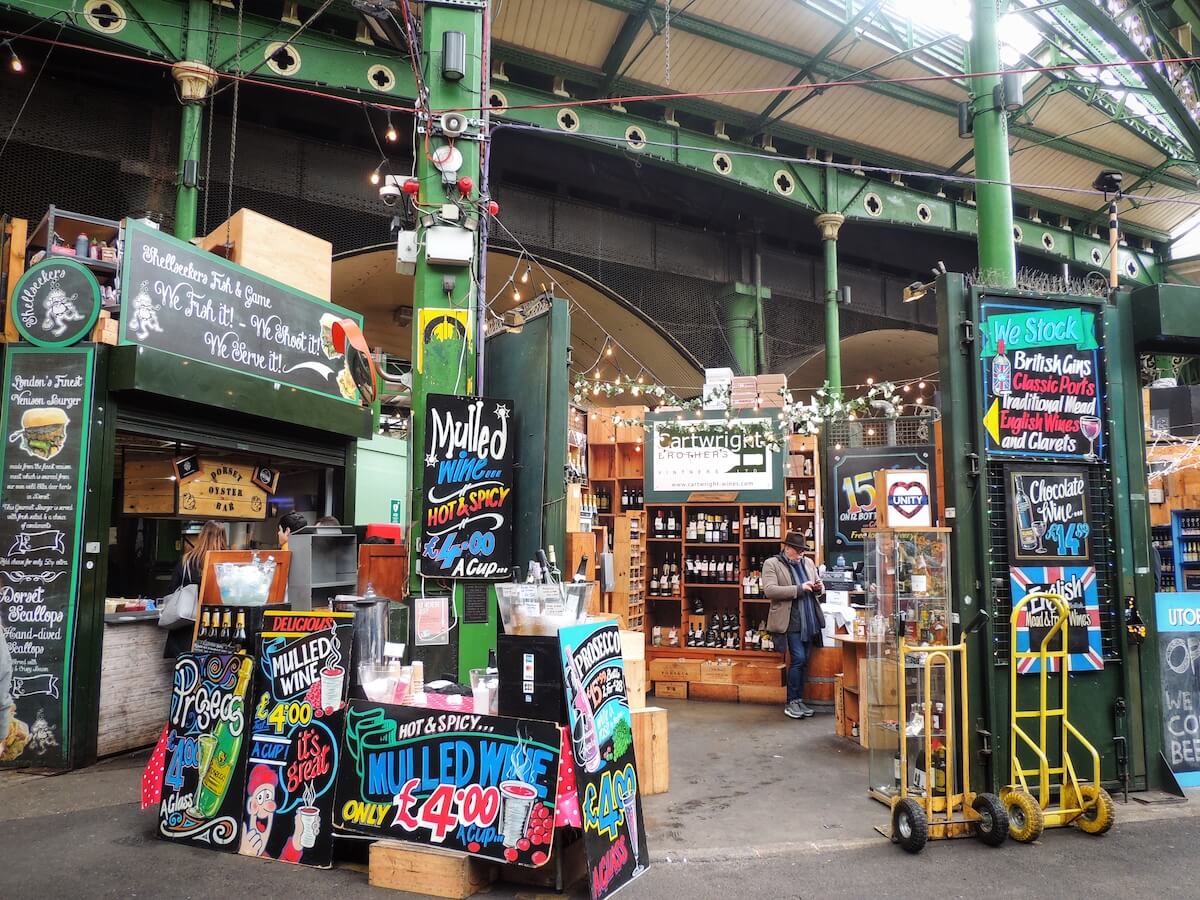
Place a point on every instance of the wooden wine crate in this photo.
(701, 691)
(675, 670)
(402, 867)
(762, 693)
(760, 673)
(289, 255)
(671, 690)
(718, 671)
(650, 746)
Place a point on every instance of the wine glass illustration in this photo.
(1089, 426)
(1039, 529)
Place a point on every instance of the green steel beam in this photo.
(623, 42)
(759, 46)
(1104, 26)
(862, 199)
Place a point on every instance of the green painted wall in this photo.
(382, 475)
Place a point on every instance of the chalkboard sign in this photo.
(483, 785)
(1049, 518)
(1077, 586)
(475, 604)
(56, 302)
(852, 485)
(178, 298)
(466, 508)
(46, 417)
(205, 763)
(1178, 617)
(610, 802)
(299, 699)
(1042, 387)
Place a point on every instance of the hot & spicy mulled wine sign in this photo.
(299, 701)
(610, 803)
(466, 510)
(483, 785)
(1042, 387)
(43, 464)
(185, 301)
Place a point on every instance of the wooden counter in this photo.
(135, 684)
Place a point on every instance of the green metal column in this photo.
(739, 313)
(830, 224)
(997, 253)
(447, 363)
(194, 79)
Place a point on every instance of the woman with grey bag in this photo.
(791, 583)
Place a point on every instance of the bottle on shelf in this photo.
(659, 528)
(653, 589)
(205, 627)
(691, 529)
(240, 634)
(674, 585)
(672, 524)
(792, 500)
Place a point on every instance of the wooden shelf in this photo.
(654, 540)
(717, 584)
(715, 546)
(710, 652)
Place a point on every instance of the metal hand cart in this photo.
(945, 811)
(1084, 804)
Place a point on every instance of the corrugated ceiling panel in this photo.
(578, 30)
(782, 21)
(1066, 114)
(1163, 216)
(698, 64)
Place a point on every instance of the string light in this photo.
(374, 178)
(14, 61)
(870, 381)
(525, 275)
(391, 134)
(607, 349)
(516, 294)
(921, 385)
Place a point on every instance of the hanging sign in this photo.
(1077, 586)
(483, 785)
(852, 485)
(56, 302)
(1042, 389)
(602, 745)
(718, 455)
(299, 699)
(907, 498)
(1049, 519)
(43, 463)
(180, 299)
(204, 767)
(443, 331)
(219, 489)
(1178, 621)
(467, 505)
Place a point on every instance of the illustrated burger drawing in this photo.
(43, 432)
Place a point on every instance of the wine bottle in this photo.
(581, 572)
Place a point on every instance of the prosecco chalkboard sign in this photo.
(182, 300)
(44, 456)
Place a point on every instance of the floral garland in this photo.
(792, 417)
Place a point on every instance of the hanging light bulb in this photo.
(921, 385)
(907, 388)
(14, 61)
(525, 276)
(597, 374)
(920, 401)
(391, 134)
(870, 381)
(607, 349)
(374, 178)
(634, 390)
(639, 378)
(516, 294)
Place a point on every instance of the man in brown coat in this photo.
(791, 583)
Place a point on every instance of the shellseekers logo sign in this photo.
(56, 302)
(908, 499)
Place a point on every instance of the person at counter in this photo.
(188, 570)
(288, 523)
(791, 583)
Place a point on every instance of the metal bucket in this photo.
(370, 625)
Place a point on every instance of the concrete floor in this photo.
(760, 805)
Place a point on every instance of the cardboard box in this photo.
(671, 690)
(761, 693)
(760, 673)
(650, 746)
(719, 671)
(675, 670)
(725, 692)
(635, 682)
(437, 873)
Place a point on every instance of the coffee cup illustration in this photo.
(332, 679)
(516, 806)
(310, 825)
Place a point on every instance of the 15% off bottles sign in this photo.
(466, 504)
(483, 785)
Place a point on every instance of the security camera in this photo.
(389, 191)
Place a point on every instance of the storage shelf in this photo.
(329, 584)
(98, 265)
(716, 546)
(761, 540)
(714, 584)
(665, 540)
(705, 652)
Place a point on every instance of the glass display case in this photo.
(907, 575)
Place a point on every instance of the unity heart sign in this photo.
(908, 499)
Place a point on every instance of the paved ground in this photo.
(759, 806)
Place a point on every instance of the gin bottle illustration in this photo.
(583, 732)
(1001, 372)
(214, 781)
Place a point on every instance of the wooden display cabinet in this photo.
(628, 599)
(210, 592)
(802, 481)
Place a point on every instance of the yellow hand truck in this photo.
(948, 811)
(1084, 804)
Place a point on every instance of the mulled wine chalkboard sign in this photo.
(182, 300)
(45, 424)
(466, 508)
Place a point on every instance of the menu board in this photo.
(483, 785)
(712, 454)
(204, 767)
(1049, 517)
(45, 421)
(1178, 619)
(178, 298)
(1042, 387)
(1077, 586)
(852, 487)
(466, 507)
(610, 803)
(299, 699)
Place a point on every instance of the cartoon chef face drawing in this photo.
(60, 311)
(143, 318)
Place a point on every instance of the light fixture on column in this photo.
(391, 134)
(14, 61)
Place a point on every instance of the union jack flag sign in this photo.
(1077, 585)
